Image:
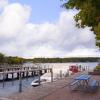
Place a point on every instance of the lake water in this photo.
(65, 66)
(13, 87)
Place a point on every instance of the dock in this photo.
(57, 90)
(15, 71)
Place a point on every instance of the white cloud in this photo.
(13, 18)
(18, 37)
(3, 3)
(81, 51)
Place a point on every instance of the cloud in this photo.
(19, 37)
(3, 3)
(82, 52)
(12, 19)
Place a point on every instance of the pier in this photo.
(11, 73)
(57, 90)
(19, 72)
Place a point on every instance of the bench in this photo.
(73, 84)
(93, 85)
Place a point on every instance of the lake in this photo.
(13, 86)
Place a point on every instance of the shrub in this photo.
(98, 67)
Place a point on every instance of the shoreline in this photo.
(43, 90)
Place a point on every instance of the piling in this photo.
(20, 81)
(39, 75)
(51, 70)
(12, 78)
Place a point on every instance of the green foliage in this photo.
(2, 58)
(19, 60)
(63, 60)
(88, 11)
(10, 59)
(98, 67)
(97, 30)
(14, 60)
(89, 14)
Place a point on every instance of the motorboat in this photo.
(43, 79)
(36, 82)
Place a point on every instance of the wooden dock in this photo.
(57, 90)
(15, 71)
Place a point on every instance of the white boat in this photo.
(36, 82)
(43, 79)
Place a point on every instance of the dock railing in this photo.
(22, 72)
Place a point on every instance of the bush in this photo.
(98, 67)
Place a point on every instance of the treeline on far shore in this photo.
(20, 60)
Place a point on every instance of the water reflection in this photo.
(12, 87)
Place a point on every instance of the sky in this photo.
(42, 28)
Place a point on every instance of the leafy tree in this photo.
(10, 59)
(1, 58)
(14, 60)
(88, 15)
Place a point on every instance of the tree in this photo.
(2, 58)
(88, 15)
(14, 60)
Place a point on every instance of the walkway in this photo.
(55, 91)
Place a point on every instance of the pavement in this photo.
(58, 90)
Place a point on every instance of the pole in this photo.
(39, 76)
(12, 78)
(20, 81)
(3, 79)
(4, 76)
(60, 73)
(51, 70)
(27, 74)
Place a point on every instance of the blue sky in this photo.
(42, 28)
(43, 10)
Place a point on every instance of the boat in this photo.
(36, 82)
(43, 79)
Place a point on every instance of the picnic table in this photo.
(84, 83)
(83, 79)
